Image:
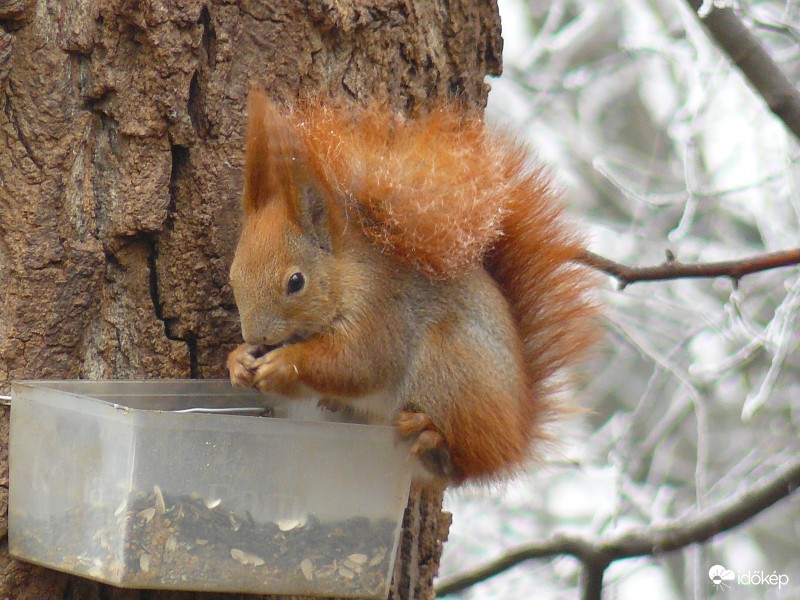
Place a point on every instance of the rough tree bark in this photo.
(120, 177)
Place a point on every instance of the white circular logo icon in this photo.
(719, 574)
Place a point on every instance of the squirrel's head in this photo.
(283, 272)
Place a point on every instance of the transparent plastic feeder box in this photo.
(124, 482)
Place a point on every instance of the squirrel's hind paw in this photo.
(429, 446)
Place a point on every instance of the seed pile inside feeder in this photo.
(187, 542)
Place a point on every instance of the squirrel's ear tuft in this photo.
(271, 151)
(313, 213)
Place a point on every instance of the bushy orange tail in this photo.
(534, 262)
(444, 193)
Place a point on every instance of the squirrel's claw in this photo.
(275, 372)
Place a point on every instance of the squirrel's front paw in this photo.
(429, 446)
(241, 364)
(275, 372)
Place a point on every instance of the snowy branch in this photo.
(754, 61)
(673, 269)
(596, 555)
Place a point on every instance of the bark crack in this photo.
(180, 156)
(14, 120)
(207, 60)
(190, 339)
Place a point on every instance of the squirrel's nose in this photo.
(262, 333)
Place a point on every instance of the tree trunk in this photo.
(121, 137)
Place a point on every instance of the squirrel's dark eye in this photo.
(295, 284)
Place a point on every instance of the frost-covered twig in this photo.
(754, 61)
(673, 269)
(783, 325)
(597, 554)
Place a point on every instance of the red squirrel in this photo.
(417, 271)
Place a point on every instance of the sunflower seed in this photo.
(289, 524)
(359, 559)
(377, 558)
(169, 547)
(246, 558)
(161, 508)
(307, 567)
(147, 514)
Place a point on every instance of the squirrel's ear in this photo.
(276, 170)
(271, 149)
(314, 214)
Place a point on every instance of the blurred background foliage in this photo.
(659, 145)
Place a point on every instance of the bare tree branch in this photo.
(592, 579)
(596, 555)
(673, 269)
(744, 49)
